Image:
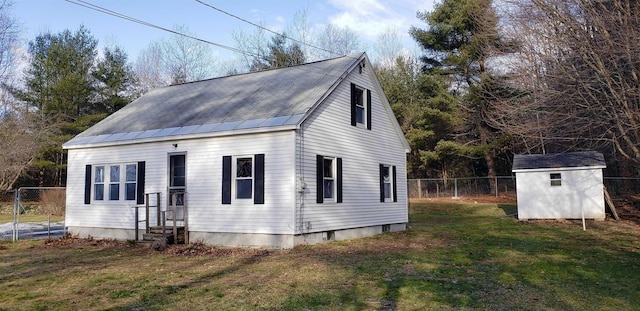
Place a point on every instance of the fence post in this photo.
(16, 210)
(419, 188)
(455, 187)
(496, 180)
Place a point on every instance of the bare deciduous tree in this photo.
(173, 60)
(338, 41)
(22, 134)
(255, 45)
(580, 65)
(388, 47)
(186, 59)
(148, 68)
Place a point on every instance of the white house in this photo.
(560, 186)
(270, 159)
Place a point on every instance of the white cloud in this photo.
(369, 18)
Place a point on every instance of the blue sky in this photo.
(366, 17)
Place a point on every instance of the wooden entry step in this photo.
(156, 234)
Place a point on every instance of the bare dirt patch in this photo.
(73, 241)
(200, 249)
(628, 207)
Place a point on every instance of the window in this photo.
(131, 177)
(121, 184)
(123, 181)
(556, 179)
(329, 179)
(360, 106)
(244, 178)
(359, 100)
(388, 191)
(114, 182)
(98, 184)
(386, 183)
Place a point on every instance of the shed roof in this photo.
(558, 160)
(265, 99)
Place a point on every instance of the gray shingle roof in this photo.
(558, 160)
(269, 98)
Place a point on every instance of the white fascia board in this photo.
(532, 170)
(180, 137)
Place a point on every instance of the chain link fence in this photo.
(32, 213)
(38, 212)
(506, 187)
(461, 187)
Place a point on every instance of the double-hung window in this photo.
(359, 101)
(329, 179)
(131, 178)
(360, 106)
(243, 179)
(388, 191)
(98, 183)
(114, 182)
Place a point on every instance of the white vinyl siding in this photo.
(204, 179)
(329, 132)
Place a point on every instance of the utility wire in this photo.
(131, 19)
(266, 29)
(141, 22)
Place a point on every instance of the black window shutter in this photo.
(395, 192)
(353, 104)
(339, 180)
(87, 184)
(226, 180)
(319, 179)
(140, 185)
(258, 186)
(381, 183)
(368, 109)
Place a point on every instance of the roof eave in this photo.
(68, 146)
(555, 169)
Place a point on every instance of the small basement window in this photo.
(556, 179)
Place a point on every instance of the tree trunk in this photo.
(491, 165)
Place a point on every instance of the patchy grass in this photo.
(34, 214)
(453, 257)
(5, 218)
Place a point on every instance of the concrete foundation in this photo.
(228, 239)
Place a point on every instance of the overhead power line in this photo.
(266, 29)
(141, 22)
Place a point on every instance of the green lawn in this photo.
(5, 218)
(453, 257)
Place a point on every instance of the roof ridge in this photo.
(271, 69)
